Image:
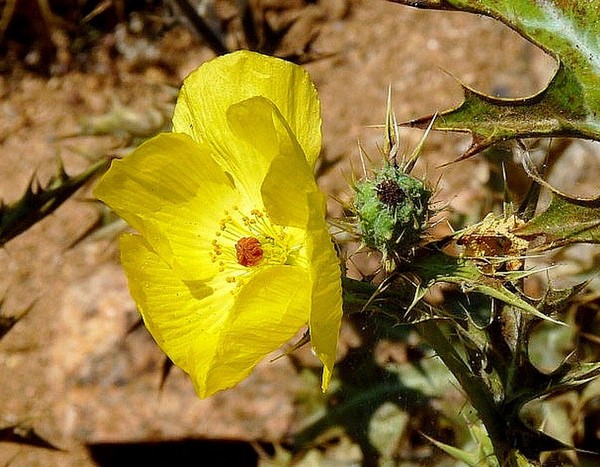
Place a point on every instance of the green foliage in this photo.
(481, 330)
(439, 267)
(484, 452)
(373, 403)
(567, 220)
(486, 330)
(564, 222)
(568, 106)
(38, 202)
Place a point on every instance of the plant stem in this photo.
(478, 393)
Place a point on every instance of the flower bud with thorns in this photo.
(392, 210)
(392, 206)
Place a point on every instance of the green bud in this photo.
(392, 210)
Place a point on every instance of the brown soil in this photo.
(69, 368)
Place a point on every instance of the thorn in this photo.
(475, 148)
(61, 173)
(166, 368)
(305, 339)
(25, 435)
(412, 160)
(391, 138)
(363, 155)
(507, 207)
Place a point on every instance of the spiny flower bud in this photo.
(392, 210)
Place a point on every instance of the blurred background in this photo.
(81, 80)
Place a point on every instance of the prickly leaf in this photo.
(37, 202)
(565, 221)
(465, 274)
(568, 106)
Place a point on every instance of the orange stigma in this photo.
(249, 251)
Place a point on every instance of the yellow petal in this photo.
(173, 193)
(215, 336)
(325, 273)
(253, 146)
(268, 311)
(209, 91)
(178, 314)
(270, 161)
(291, 198)
(249, 135)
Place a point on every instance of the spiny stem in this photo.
(478, 393)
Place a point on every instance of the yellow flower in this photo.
(233, 254)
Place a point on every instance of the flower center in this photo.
(245, 242)
(390, 194)
(249, 251)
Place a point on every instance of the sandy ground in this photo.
(69, 368)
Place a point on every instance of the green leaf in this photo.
(570, 375)
(568, 106)
(364, 388)
(472, 459)
(565, 221)
(464, 273)
(484, 453)
(38, 202)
